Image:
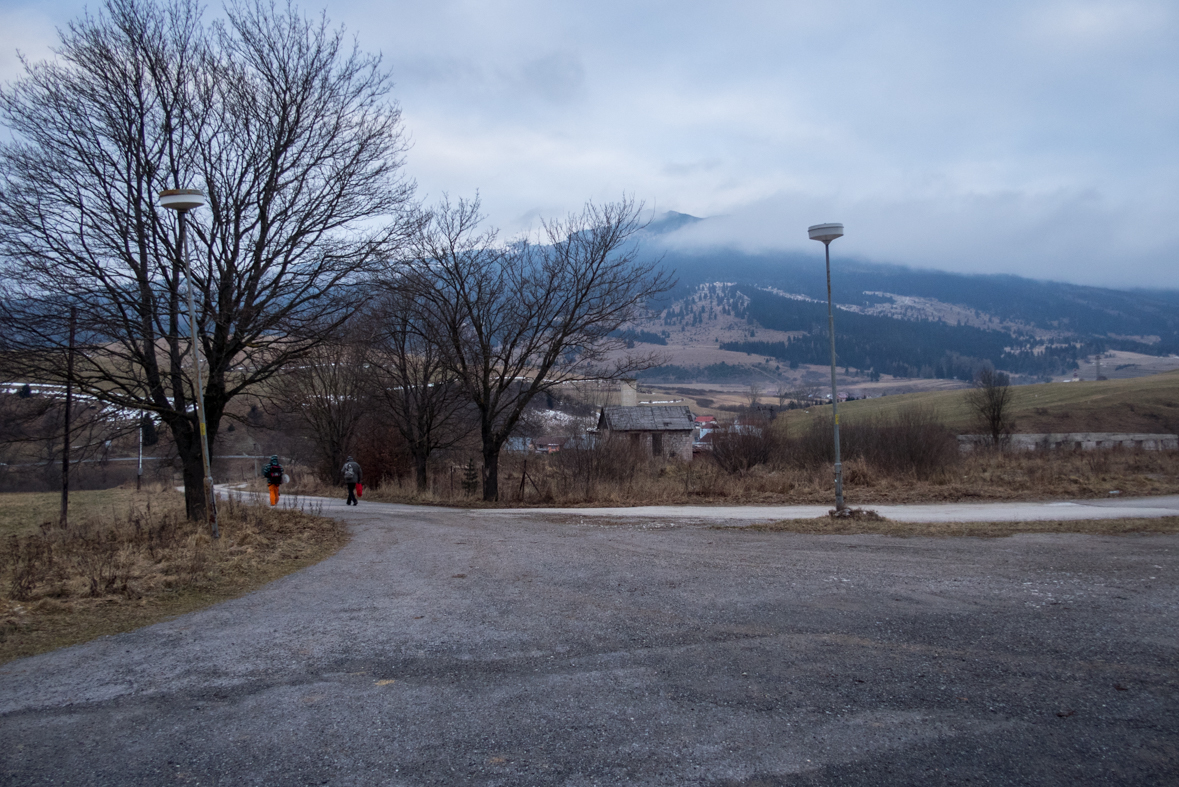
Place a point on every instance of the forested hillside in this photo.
(899, 321)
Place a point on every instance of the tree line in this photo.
(293, 135)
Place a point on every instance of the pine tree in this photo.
(470, 478)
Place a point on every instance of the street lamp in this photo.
(825, 233)
(182, 201)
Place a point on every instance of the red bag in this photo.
(360, 490)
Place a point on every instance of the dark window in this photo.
(656, 444)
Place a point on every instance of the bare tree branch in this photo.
(409, 377)
(294, 139)
(990, 401)
(519, 319)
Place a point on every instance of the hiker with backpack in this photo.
(273, 475)
(352, 477)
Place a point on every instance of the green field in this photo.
(1140, 404)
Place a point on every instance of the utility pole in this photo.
(182, 201)
(826, 233)
(69, 407)
(139, 473)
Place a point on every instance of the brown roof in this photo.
(646, 419)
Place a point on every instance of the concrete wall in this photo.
(1075, 441)
(629, 393)
(676, 445)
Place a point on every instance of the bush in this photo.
(914, 441)
(738, 448)
(583, 471)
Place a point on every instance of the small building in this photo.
(548, 445)
(664, 431)
(703, 441)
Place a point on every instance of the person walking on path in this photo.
(273, 475)
(352, 477)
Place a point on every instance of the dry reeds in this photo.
(913, 441)
(145, 556)
(907, 457)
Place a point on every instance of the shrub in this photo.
(738, 448)
(583, 470)
(914, 441)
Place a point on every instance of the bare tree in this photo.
(326, 393)
(31, 432)
(519, 319)
(783, 392)
(990, 402)
(409, 376)
(754, 393)
(293, 137)
(738, 447)
(807, 392)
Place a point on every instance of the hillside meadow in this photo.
(1140, 404)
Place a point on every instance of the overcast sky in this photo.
(1033, 137)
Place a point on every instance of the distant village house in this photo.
(664, 431)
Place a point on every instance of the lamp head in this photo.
(182, 200)
(825, 232)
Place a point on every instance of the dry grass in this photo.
(830, 526)
(25, 512)
(139, 562)
(973, 477)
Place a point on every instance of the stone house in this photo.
(664, 431)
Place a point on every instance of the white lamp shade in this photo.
(825, 232)
(182, 199)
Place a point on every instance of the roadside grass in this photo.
(132, 559)
(831, 526)
(978, 476)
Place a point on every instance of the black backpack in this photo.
(274, 474)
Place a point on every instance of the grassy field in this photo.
(22, 513)
(132, 559)
(1141, 404)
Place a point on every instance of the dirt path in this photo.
(457, 647)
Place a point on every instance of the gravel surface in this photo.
(460, 647)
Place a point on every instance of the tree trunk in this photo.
(194, 482)
(419, 461)
(490, 474)
(188, 448)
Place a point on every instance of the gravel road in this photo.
(453, 648)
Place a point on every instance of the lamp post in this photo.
(825, 233)
(182, 201)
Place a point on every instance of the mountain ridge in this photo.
(910, 322)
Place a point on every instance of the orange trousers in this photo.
(273, 494)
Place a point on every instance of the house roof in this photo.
(646, 419)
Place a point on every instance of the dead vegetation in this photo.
(111, 572)
(909, 457)
(549, 480)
